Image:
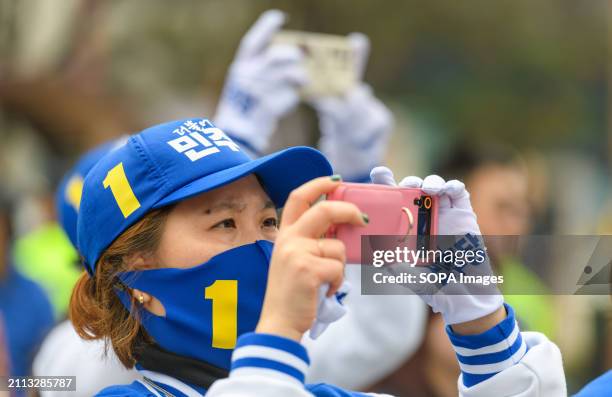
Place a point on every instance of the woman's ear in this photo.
(149, 302)
(141, 297)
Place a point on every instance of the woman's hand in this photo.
(468, 310)
(302, 261)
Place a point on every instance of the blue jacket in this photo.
(600, 387)
(27, 317)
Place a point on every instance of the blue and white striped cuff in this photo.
(484, 355)
(270, 356)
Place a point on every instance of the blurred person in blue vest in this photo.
(25, 309)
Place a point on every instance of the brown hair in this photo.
(95, 309)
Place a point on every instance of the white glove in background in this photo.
(262, 84)
(355, 128)
(455, 218)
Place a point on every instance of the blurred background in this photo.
(471, 85)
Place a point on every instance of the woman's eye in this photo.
(226, 223)
(270, 222)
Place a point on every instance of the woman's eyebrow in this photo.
(269, 204)
(226, 205)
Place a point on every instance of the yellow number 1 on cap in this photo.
(122, 191)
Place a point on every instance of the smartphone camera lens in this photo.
(424, 221)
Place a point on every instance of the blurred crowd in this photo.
(510, 97)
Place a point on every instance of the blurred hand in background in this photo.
(261, 86)
(355, 127)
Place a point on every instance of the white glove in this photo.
(262, 84)
(330, 309)
(455, 218)
(355, 128)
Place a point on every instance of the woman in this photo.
(64, 352)
(176, 230)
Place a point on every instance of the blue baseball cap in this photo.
(171, 162)
(69, 191)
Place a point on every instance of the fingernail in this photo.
(335, 178)
(365, 217)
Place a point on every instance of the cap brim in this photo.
(280, 173)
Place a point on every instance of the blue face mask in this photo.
(207, 306)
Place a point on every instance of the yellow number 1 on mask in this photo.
(224, 296)
(122, 191)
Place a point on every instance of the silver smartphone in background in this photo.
(329, 60)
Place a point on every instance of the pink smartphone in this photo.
(392, 211)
